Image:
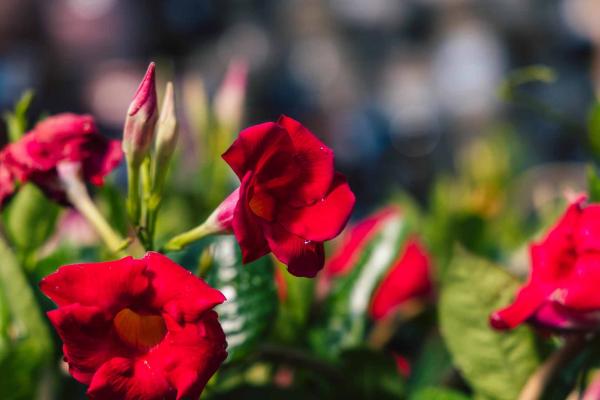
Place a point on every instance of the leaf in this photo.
(593, 181)
(251, 303)
(370, 375)
(436, 393)
(16, 121)
(345, 316)
(26, 338)
(30, 218)
(521, 76)
(593, 127)
(294, 307)
(496, 364)
(433, 365)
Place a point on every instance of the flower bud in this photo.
(166, 131)
(229, 99)
(140, 121)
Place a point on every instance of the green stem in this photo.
(78, 196)
(133, 195)
(182, 240)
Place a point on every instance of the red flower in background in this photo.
(409, 278)
(290, 199)
(137, 329)
(355, 240)
(562, 291)
(60, 138)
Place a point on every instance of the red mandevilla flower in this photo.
(409, 278)
(60, 138)
(562, 291)
(290, 199)
(137, 329)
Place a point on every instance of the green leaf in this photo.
(437, 393)
(433, 365)
(345, 311)
(496, 364)
(30, 218)
(251, 304)
(593, 127)
(593, 181)
(16, 121)
(370, 375)
(26, 338)
(294, 308)
(521, 76)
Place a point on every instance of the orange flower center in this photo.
(138, 330)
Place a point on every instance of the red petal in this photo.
(587, 233)
(246, 226)
(88, 339)
(191, 354)
(108, 285)
(326, 218)
(302, 257)
(128, 379)
(580, 290)
(354, 241)
(252, 145)
(315, 162)
(105, 156)
(408, 278)
(529, 299)
(177, 291)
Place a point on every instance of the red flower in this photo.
(290, 199)
(60, 138)
(562, 291)
(355, 240)
(409, 278)
(137, 329)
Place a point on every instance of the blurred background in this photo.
(395, 87)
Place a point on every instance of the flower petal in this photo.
(354, 241)
(177, 291)
(529, 299)
(252, 145)
(191, 354)
(408, 278)
(108, 285)
(129, 379)
(303, 257)
(315, 160)
(88, 339)
(325, 219)
(246, 226)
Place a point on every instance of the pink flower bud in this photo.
(141, 120)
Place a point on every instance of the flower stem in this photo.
(133, 195)
(80, 199)
(184, 239)
(535, 386)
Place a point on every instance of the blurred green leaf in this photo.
(521, 76)
(16, 122)
(496, 364)
(25, 333)
(30, 218)
(437, 393)
(370, 375)
(593, 181)
(294, 308)
(345, 310)
(433, 365)
(251, 304)
(593, 127)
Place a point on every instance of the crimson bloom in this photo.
(137, 329)
(409, 278)
(290, 199)
(60, 138)
(562, 290)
